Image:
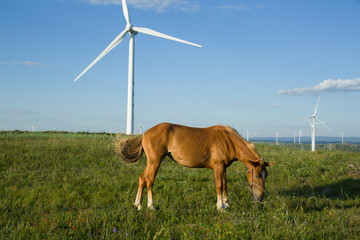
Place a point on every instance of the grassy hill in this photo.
(66, 185)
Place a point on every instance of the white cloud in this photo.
(327, 86)
(29, 63)
(276, 105)
(156, 5)
(235, 7)
(234, 104)
(17, 112)
(240, 7)
(164, 5)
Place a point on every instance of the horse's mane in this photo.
(250, 146)
(233, 130)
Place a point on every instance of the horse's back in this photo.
(168, 134)
(189, 146)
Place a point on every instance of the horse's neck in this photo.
(244, 154)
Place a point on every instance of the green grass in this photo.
(72, 186)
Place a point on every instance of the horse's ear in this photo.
(254, 163)
(269, 164)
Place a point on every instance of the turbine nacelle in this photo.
(128, 27)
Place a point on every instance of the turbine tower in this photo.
(313, 124)
(132, 30)
(300, 133)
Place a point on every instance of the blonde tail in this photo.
(130, 149)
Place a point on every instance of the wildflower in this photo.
(115, 230)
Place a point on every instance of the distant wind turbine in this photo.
(132, 30)
(277, 138)
(313, 124)
(247, 135)
(342, 137)
(33, 127)
(294, 137)
(300, 133)
(140, 127)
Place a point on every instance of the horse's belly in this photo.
(189, 161)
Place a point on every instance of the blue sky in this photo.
(262, 66)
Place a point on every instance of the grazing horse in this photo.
(214, 147)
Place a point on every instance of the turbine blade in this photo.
(310, 122)
(113, 44)
(323, 124)
(317, 105)
(126, 11)
(161, 35)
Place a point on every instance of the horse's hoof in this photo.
(152, 208)
(224, 208)
(221, 210)
(138, 206)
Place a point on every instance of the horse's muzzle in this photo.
(258, 197)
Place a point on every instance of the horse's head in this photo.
(256, 176)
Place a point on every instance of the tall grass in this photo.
(72, 186)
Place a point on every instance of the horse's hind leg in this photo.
(140, 190)
(147, 178)
(152, 167)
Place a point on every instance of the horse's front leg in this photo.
(219, 175)
(224, 194)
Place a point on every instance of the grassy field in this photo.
(72, 186)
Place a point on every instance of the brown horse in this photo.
(214, 147)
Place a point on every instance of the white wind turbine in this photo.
(140, 128)
(300, 133)
(132, 30)
(294, 136)
(313, 124)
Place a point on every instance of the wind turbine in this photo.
(140, 128)
(247, 135)
(277, 138)
(342, 137)
(313, 124)
(132, 30)
(300, 133)
(294, 137)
